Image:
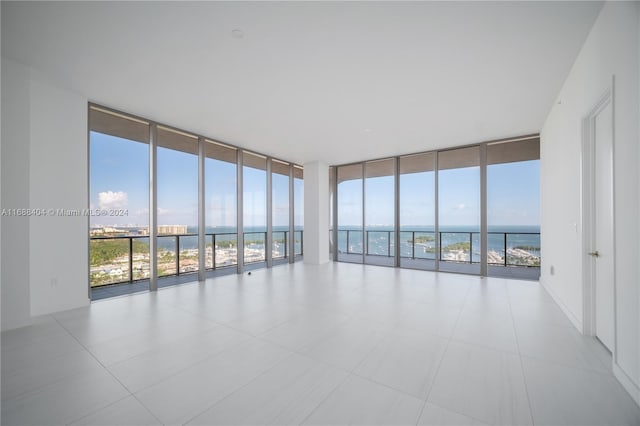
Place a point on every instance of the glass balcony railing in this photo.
(121, 259)
(504, 248)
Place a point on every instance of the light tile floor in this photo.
(300, 344)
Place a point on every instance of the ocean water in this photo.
(253, 234)
(380, 240)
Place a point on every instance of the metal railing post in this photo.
(347, 241)
(413, 245)
(440, 239)
(285, 239)
(470, 247)
(130, 258)
(213, 248)
(365, 243)
(505, 249)
(177, 254)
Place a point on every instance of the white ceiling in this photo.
(330, 81)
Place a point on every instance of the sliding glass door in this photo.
(418, 211)
(298, 208)
(350, 242)
(379, 212)
(459, 210)
(177, 202)
(166, 202)
(471, 210)
(254, 204)
(221, 218)
(513, 209)
(119, 199)
(280, 209)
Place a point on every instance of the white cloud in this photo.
(459, 207)
(113, 200)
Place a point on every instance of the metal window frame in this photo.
(269, 240)
(334, 224)
(202, 267)
(365, 243)
(153, 196)
(292, 239)
(483, 201)
(153, 207)
(239, 211)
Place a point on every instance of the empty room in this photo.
(320, 213)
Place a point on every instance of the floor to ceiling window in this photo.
(119, 200)
(379, 212)
(332, 179)
(177, 174)
(444, 199)
(513, 209)
(350, 241)
(298, 208)
(254, 204)
(142, 172)
(417, 211)
(280, 209)
(459, 210)
(220, 205)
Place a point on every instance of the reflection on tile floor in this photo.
(302, 344)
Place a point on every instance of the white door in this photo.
(603, 242)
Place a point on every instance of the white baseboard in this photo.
(577, 323)
(627, 383)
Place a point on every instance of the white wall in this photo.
(15, 194)
(44, 167)
(59, 180)
(610, 49)
(316, 213)
(638, 121)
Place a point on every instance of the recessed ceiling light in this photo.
(237, 33)
(367, 130)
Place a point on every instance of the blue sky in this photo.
(120, 175)
(513, 197)
(119, 179)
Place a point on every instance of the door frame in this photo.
(588, 214)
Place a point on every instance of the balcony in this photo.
(510, 254)
(119, 260)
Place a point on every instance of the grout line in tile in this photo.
(457, 412)
(324, 399)
(110, 373)
(260, 374)
(444, 354)
(524, 377)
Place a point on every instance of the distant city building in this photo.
(107, 230)
(172, 229)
